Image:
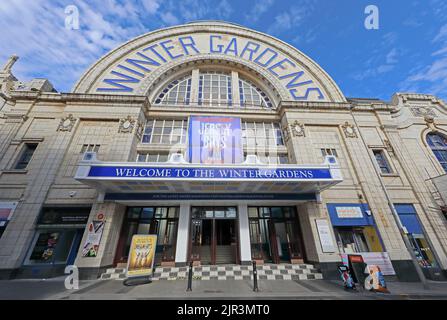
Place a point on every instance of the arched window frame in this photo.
(438, 145)
(214, 88)
(181, 88)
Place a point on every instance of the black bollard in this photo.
(255, 277)
(190, 277)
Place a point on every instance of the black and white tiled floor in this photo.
(229, 272)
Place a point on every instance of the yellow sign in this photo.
(141, 255)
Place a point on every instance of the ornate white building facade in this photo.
(231, 146)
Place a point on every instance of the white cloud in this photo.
(151, 5)
(431, 78)
(258, 10)
(169, 19)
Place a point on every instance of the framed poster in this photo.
(91, 246)
(215, 140)
(141, 255)
(324, 232)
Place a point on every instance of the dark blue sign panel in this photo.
(210, 196)
(215, 140)
(279, 174)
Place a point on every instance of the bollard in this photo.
(190, 277)
(255, 278)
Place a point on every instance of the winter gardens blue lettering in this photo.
(208, 173)
(157, 54)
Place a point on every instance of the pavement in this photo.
(54, 289)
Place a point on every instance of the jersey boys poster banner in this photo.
(215, 140)
(141, 255)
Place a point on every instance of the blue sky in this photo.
(407, 54)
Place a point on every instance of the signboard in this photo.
(64, 216)
(324, 232)
(128, 72)
(349, 212)
(6, 210)
(215, 140)
(141, 255)
(380, 259)
(91, 246)
(204, 173)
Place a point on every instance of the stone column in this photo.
(92, 267)
(181, 252)
(244, 234)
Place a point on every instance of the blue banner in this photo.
(279, 174)
(215, 140)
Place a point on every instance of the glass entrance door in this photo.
(213, 235)
(274, 234)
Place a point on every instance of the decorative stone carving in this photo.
(423, 111)
(297, 129)
(67, 123)
(286, 132)
(140, 129)
(126, 125)
(429, 118)
(349, 130)
(389, 147)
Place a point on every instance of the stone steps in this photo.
(228, 272)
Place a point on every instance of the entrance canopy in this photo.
(185, 181)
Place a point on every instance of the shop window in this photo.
(354, 228)
(25, 156)
(165, 132)
(409, 219)
(161, 221)
(329, 152)
(382, 161)
(90, 148)
(438, 144)
(153, 157)
(55, 246)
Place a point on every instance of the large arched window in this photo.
(177, 92)
(438, 144)
(214, 89)
(252, 96)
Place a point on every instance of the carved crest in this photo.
(349, 130)
(126, 125)
(67, 123)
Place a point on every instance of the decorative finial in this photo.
(10, 63)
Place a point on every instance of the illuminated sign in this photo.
(215, 140)
(132, 69)
(220, 173)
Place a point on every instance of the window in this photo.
(215, 89)
(177, 92)
(152, 157)
(382, 161)
(160, 221)
(251, 96)
(165, 131)
(438, 144)
(409, 219)
(25, 156)
(329, 152)
(90, 148)
(273, 159)
(261, 134)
